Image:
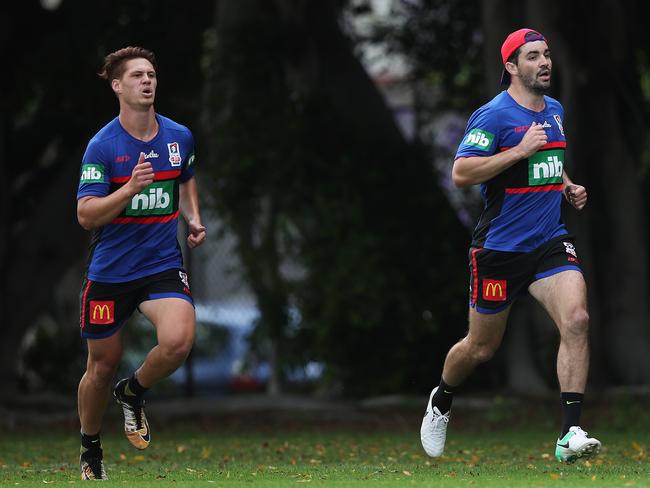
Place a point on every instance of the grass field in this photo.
(310, 457)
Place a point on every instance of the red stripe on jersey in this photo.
(474, 276)
(536, 189)
(83, 305)
(160, 175)
(146, 220)
(554, 145)
(548, 145)
(167, 175)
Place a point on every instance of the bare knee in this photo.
(176, 350)
(480, 352)
(575, 324)
(100, 371)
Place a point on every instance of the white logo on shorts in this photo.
(570, 249)
(184, 278)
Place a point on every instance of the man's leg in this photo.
(175, 325)
(94, 390)
(564, 296)
(479, 345)
(95, 386)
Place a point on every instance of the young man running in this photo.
(136, 177)
(514, 148)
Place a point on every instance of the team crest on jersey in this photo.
(558, 121)
(174, 153)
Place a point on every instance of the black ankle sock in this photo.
(571, 409)
(134, 388)
(89, 442)
(443, 397)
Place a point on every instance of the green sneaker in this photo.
(576, 444)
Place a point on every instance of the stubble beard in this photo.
(535, 86)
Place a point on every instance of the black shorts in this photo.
(497, 278)
(106, 306)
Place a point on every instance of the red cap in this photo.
(513, 42)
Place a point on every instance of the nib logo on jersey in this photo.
(545, 167)
(92, 173)
(156, 199)
(480, 139)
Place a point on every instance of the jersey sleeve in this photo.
(481, 135)
(187, 170)
(94, 177)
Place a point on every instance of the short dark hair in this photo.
(113, 67)
(514, 56)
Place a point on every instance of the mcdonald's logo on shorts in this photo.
(494, 290)
(102, 312)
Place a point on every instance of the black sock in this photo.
(134, 388)
(89, 442)
(443, 397)
(571, 409)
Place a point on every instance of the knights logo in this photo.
(174, 153)
(558, 121)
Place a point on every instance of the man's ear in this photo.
(115, 85)
(512, 68)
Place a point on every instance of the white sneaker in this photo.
(575, 444)
(434, 429)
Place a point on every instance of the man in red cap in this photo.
(514, 148)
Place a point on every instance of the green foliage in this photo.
(443, 40)
(297, 181)
(48, 359)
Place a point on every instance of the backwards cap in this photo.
(513, 42)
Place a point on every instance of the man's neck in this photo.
(526, 98)
(140, 124)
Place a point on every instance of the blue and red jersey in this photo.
(142, 240)
(522, 203)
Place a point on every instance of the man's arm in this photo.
(576, 195)
(473, 170)
(94, 212)
(189, 205)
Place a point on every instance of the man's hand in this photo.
(197, 234)
(534, 139)
(141, 176)
(576, 195)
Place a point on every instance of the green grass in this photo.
(341, 458)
